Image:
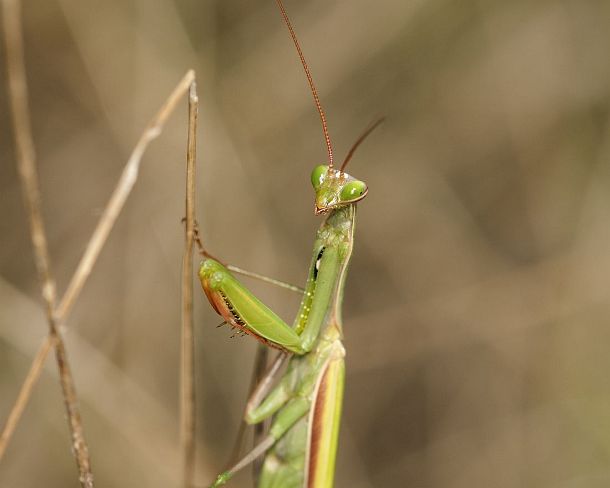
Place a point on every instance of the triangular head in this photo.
(335, 188)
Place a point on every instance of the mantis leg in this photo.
(260, 429)
(258, 371)
(260, 386)
(258, 450)
(264, 385)
(244, 272)
(263, 405)
(261, 379)
(242, 310)
(266, 279)
(283, 467)
(294, 410)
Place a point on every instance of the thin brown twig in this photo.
(18, 97)
(17, 87)
(96, 242)
(79, 445)
(120, 194)
(24, 393)
(187, 389)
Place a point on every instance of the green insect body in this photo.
(305, 404)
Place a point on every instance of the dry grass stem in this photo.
(24, 393)
(26, 164)
(18, 97)
(97, 241)
(187, 403)
(119, 196)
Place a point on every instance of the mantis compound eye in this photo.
(317, 175)
(353, 191)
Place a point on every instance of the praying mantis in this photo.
(305, 403)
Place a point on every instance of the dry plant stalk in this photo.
(120, 194)
(94, 246)
(18, 97)
(56, 315)
(187, 387)
(24, 394)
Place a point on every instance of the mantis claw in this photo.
(222, 479)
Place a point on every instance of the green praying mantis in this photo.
(305, 403)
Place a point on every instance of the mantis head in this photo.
(335, 188)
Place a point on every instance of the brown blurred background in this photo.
(477, 307)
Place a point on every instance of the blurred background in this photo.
(477, 306)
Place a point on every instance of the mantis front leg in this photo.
(242, 310)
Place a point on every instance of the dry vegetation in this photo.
(476, 311)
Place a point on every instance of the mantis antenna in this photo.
(310, 80)
(362, 137)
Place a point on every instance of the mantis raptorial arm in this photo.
(242, 310)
